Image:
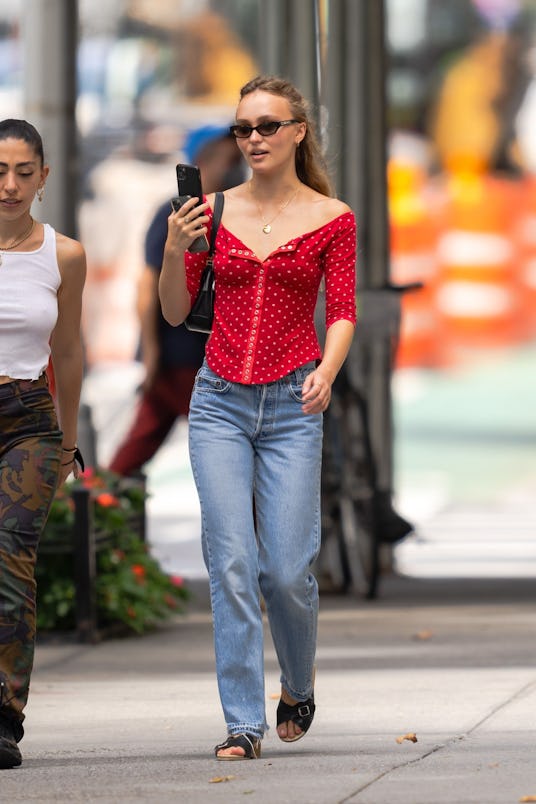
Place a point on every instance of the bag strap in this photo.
(216, 218)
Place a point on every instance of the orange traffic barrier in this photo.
(479, 298)
(526, 235)
(413, 258)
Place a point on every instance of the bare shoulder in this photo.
(337, 207)
(67, 248)
(324, 208)
(71, 257)
(236, 201)
(238, 195)
(231, 195)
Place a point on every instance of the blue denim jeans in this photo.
(252, 442)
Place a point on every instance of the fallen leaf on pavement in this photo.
(423, 635)
(412, 737)
(217, 779)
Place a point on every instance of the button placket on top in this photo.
(258, 300)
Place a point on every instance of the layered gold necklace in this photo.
(267, 225)
(21, 240)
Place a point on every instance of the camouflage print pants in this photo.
(30, 455)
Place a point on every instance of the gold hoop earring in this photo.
(40, 193)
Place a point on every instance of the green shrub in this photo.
(131, 587)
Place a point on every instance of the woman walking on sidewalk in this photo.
(41, 278)
(256, 410)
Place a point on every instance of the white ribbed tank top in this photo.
(29, 282)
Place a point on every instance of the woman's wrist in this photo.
(329, 372)
(76, 456)
(176, 249)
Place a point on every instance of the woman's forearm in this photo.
(68, 370)
(338, 341)
(316, 389)
(184, 226)
(172, 290)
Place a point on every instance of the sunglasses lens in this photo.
(267, 129)
(241, 131)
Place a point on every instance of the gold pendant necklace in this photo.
(24, 237)
(267, 227)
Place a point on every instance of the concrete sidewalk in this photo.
(135, 720)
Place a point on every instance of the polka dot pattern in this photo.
(264, 312)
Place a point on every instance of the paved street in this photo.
(135, 720)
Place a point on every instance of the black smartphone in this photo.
(189, 184)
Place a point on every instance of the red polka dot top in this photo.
(264, 310)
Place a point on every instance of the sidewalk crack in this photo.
(452, 741)
(515, 695)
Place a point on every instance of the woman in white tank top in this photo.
(42, 275)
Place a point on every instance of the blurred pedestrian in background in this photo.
(255, 424)
(42, 274)
(171, 355)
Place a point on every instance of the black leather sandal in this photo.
(301, 713)
(248, 742)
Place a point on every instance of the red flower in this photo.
(91, 480)
(131, 613)
(176, 580)
(107, 500)
(138, 570)
(170, 601)
(88, 477)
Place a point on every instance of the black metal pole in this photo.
(85, 569)
(357, 151)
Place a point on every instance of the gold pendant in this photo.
(266, 228)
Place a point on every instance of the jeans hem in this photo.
(297, 696)
(241, 728)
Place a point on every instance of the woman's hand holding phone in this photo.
(189, 187)
(187, 224)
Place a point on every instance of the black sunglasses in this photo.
(243, 131)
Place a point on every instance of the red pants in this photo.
(158, 409)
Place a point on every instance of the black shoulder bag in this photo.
(202, 313)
